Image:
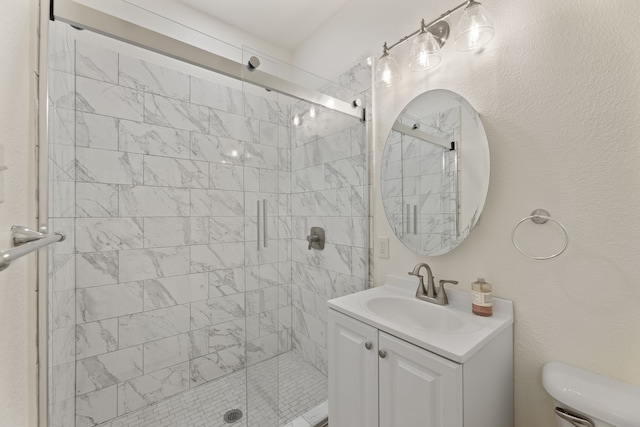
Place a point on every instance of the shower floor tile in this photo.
(302, 388)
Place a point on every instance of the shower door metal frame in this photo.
(85, 17)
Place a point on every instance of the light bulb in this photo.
(425, 52)
(387, 71)
(475, 28)
(312, 113)
(297, 121)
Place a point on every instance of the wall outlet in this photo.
(383, 247)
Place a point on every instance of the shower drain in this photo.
(232, 416)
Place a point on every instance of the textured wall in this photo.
(559, 95)
(17, 303)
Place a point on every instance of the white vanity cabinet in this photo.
(376, 379)
(387, 370)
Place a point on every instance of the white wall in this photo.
(17, 302)
(559, 95)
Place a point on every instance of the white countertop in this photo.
(458, 345)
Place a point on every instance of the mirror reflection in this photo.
(435, 172)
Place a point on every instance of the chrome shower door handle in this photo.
(265, 238)
(258, 224)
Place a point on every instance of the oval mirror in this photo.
(435, 172)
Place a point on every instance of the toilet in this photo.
(585, 399)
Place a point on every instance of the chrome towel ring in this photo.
(540, 216)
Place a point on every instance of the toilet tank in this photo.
(604, 401)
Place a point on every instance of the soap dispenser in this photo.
(482, 299)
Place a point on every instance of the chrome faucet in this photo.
(429, 293)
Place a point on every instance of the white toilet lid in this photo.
(603, 398)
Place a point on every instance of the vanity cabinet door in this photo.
(417, 387)
(353, 372)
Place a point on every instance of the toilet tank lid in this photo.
(603, 398)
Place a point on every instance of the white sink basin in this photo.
(451, 331)
(415, 313)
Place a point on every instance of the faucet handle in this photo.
(442, 294)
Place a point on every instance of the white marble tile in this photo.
(96, 407)
(262, 348)
(217, 310)
(303, 299)
(62, 382)
(159, 110)
(180, 173)
(343, 284)
(303, 156)
(261, 156)
(96, 62)
(170, 291)
(303, 204)
(333, 202)
(216, 256)
(174, 350)
(96, 131)
(108, 167)
(62, 414)
(63, 312)
(153, 201)
(96, 269)
(61, 90)
(269, 134)
(175, 231)
(62, 200)
(149, 77)
(153, 140)
(139, 264)
(217, 149)
(339, 230)
(107, 234)
(226, 282)
(234, 126)
(346, 172)
(216, 96)
(225, 335)
(308, 179)
(150, 388)
(62, 271)
(215, 365)
(106, 99)
(96, 200)
(333, 147)
(226, 177)
(104, 302)
(96, 338)
(153, 325)
(62, 165)
(217, 203)
(226, 229)
(262, 300)
(309, 277)
(62, 345)
(97, 372)
(338, 258)
(62, 126)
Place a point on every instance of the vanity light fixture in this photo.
(474, 31)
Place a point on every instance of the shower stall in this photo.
(184, 293)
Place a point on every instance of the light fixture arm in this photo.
(426, 27)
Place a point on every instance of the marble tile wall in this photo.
(161, 285)
(330, 187)
(156, 176)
